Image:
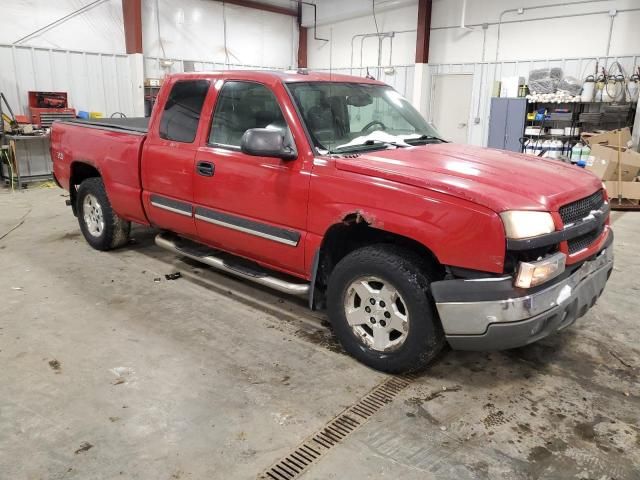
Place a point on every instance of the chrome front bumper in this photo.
(512, 322)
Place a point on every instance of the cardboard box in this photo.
(152, 82)
(630, 190)
(604, 162)
(610, 138)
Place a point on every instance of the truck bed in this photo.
(111, 146)
(133, 124)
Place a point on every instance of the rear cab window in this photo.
(181, 115)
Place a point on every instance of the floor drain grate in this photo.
(310, 450)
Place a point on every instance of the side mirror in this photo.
(267, 142)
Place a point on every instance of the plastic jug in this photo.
(553, 152)
(537, 148)
(600, 83)
(586, 154)
(576, 152)
(620, 89)
(610, 90)
(588, 89)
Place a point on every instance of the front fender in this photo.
(458, 232)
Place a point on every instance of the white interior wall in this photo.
(582, 31)
(64, 58)
(527, 40)
(194, 30)
(338, 52)
(570, 43)
(99, 29)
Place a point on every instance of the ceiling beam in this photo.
(424, 31)
(265, 7)
(132, 19)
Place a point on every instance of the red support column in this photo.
(302, 40)
(132, 19)
(302, 47)
(424, 31)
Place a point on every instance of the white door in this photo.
(451, 104)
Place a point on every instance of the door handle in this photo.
(206, 169)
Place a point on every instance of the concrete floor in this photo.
(106, 373)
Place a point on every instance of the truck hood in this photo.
(496, 179)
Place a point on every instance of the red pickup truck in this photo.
(336, 189)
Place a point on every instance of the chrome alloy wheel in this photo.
(376, 313)
(93, 218)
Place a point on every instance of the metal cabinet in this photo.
(506, 123)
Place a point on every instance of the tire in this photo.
(100, 225)
(371, 268)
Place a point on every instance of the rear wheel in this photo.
(100, 225)
(381, 309)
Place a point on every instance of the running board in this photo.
(224, 262)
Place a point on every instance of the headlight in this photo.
(525, 224)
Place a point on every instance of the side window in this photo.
(241, 106)
(181, 113)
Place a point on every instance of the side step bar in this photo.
(253, 273)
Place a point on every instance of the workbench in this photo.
(31, 158)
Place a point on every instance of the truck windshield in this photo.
(348, 117)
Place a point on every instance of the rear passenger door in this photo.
(253, 206)
(168, 157)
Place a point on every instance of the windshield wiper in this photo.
(423, 139)
(367, 145)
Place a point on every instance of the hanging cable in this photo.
(315, 19)
(164, 54)
(59, 21)
(224, 34)
(375, 20)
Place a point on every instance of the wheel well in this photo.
(353, 233)
(79, 172)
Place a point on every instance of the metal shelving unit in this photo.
(610, 116)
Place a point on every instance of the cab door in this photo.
(255, 207)
(168, 157)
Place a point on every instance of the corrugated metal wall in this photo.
(94, 81)
(154, 69)
(401, 78)
(103, 82)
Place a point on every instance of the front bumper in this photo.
(489, 314)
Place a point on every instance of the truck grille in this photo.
(575, 211)
(583, 241)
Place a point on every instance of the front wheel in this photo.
(101, 227)
(381, 310)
